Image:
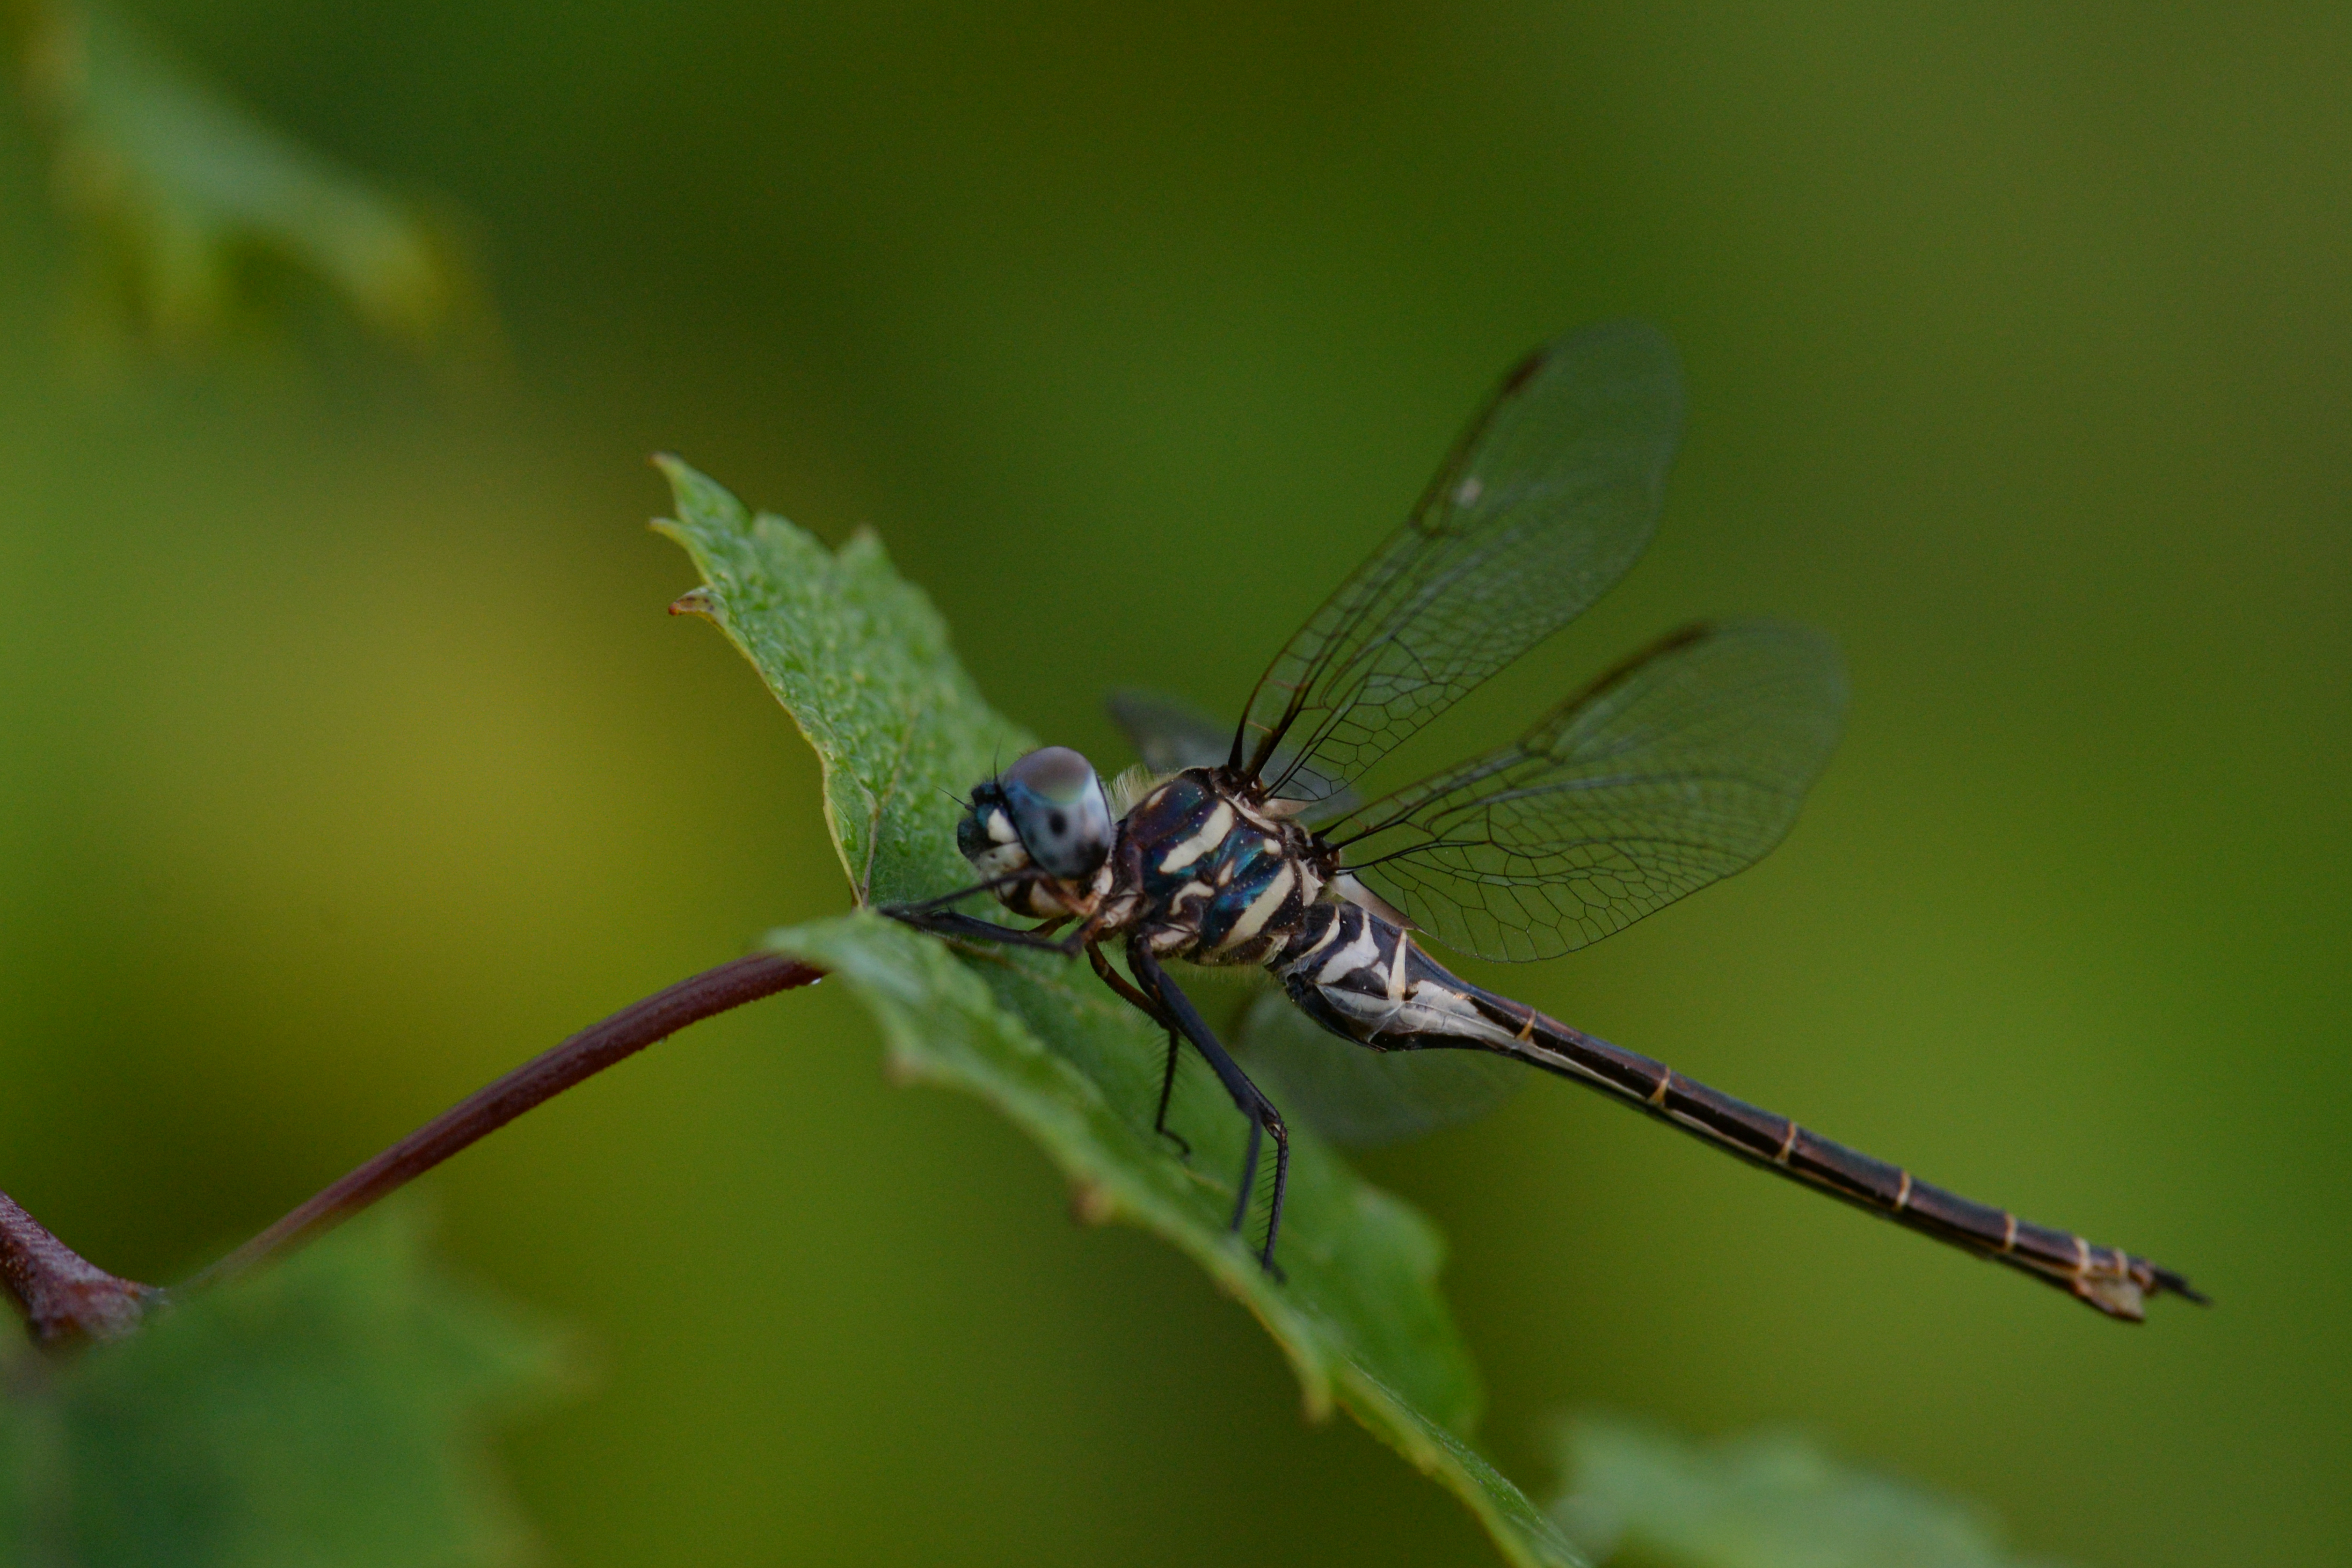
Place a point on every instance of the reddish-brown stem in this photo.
(583, 1056)
(64, 1296)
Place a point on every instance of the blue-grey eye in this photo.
(1058, 809)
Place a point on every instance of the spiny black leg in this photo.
(1281, 1186)
(1119, 983)
(1266, 1120)
(1249, 1175)
(1167, 1087)
(948, 922)
(938, 916)
(944, 901)
(1247, 1097)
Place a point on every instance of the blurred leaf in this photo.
(861, 661)
(179, 190)
(1769, 1501)
(322, 1414)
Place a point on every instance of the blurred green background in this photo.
(346, 757)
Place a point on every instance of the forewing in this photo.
(1168, 736)
(1355, 1096)
(1680, 767)
(1544, 503)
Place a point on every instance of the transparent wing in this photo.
(1681, 765)
(1168, 736)
(1544, 503)
(1354, 1096)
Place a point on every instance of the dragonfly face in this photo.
(1675, 769)
(1048, 812)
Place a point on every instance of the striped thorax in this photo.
(1221, 877)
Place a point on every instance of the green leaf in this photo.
(1768, 1501)
(861, 661)
(178, 188)
(325, 1413)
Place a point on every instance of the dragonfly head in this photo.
(1048, 810)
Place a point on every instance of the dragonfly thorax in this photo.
(1221, 874)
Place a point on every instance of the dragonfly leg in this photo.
(1119, 983)
(940, 916)
(948, 923)
(1264, 1119)
(1167, 1087)
(1249, 1175)
(944, 901)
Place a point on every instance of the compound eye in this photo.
(1058, 807)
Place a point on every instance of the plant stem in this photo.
(583, 1056)
(64, 1296)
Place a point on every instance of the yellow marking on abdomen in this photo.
(1357, 953)
(1330, 930)
(1396, 971)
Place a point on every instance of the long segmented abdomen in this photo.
(1363, 979)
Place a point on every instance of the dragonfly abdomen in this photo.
(1362, 978)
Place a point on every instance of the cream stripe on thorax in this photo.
(1260, 910)
(1212, 833)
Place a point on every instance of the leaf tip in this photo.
(702, 503)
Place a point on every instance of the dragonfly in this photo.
(1679, 766)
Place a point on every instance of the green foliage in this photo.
(322, 1414)
(179, 190)
(861, 661)
(1768, 1501)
